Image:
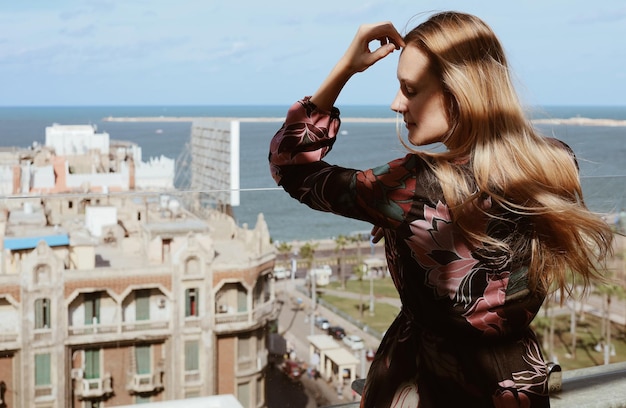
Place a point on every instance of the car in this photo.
(354, 342)
(281, 272)
(322, 323)
(337, 332)
(293, 369)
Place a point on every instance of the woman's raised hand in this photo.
(358, 57)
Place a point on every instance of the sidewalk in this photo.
(321, 393)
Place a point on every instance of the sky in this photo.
(273, 52)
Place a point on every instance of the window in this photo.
(260, 386)
(142, 356)
(242, 300)
(243, 347)
(42, 313)
(165, 254)
(92, 364)
(191, 302)
(142, 304)
(192, 356)
(92, 308)
(140, 399)
(42, 370)
(243, 394)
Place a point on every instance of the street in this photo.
(295, 325)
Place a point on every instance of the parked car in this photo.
(322, 323)
(370, 354)
(293, 369)
(354, 342)
(336, 332)
(280, 272)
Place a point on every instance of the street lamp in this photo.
(294, 267)
(313, 300)
(371, 292)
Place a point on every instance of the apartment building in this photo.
(112, 300)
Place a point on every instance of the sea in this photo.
(600, 150)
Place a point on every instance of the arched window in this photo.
(192, 266)
(42, 273)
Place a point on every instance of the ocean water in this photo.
(600, 151)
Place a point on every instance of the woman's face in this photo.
(420, 99)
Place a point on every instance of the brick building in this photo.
(122, 298)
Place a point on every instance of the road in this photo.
(295, 325)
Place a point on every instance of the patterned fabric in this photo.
(462, 337)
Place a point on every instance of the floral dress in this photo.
(462, 338)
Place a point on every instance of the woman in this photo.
(475, 236)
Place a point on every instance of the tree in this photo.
(307, 253)
(341, 243)
(608, 291)
(359, 271)
(284, 248)
(546, 324)
(575, 281)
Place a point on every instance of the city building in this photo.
(116, 296)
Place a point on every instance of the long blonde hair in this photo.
(523, 173)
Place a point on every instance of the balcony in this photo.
(151, 383)
(92, 329)
(227, 320)
(8, 337)
(95, 388)
(40, 335)
(140, 325)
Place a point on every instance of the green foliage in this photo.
(382, 287)
(587, 339)
(385, 313)
(307, 252)
(284, 247)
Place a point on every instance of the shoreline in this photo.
(575, 121)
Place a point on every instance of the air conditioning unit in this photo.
(222, 308)
(161, 301)
(77, 373)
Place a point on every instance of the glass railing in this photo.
(295, 225)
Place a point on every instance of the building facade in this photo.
(112, 300)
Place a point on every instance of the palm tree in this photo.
(359, 271)
(341, 242)
(577, 298)
(546, 324)
(608, 291)
(307, 253)
(284, 249)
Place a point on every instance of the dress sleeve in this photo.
(382, 196)
(307, 135)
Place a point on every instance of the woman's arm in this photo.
(357, 58)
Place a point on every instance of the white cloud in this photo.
(276, 46)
